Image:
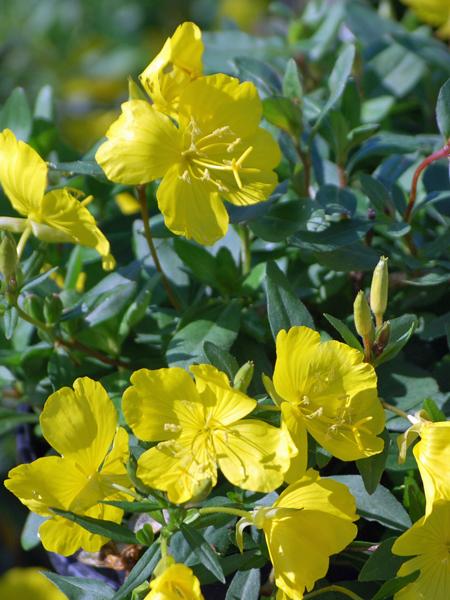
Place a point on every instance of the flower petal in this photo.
(253, 455)
(161, 402)
(142, 145)
(293, 421)
(23, 174)
(80, 423)
(433, 459)
(190, 207)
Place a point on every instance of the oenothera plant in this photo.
(197, 429)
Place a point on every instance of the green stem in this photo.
(151, 246)
(236, 512)
(395, 410)
(246, 259)
(23, 240)
(333, 588)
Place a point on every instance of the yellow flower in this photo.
(80, 424)
(428, 540)
(177, 581)
(199, 427)
(432, 454)
(311, 520)
(178, 63)
(27, 583)
(127, 203)
(327, 390)
(216, 152)
(434, 12)
(55, 216)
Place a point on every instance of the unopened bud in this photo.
(33, 305)
(379, 289)
(362, 316)
(382, 338)
(53, 308)
(8, 257)
(243, 377)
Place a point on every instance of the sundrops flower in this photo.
(327, 390)
(28, 583)
(55, 216)
(217, 152)
(200, 427)
(175, 581)
(178, 63)
(434, 12)
(428, 540)
(311, 520)
(80, 424)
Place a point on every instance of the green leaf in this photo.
(203, 551)
(346, 334)
(134, 507)
(81, 588)
(390, 588)
(443, 110)
(401, 331)
(260, 73)
(336, 235)
(282, 220)
(283, 113)
(80, 167)
(337, 81)
(109, 529)
(221, 359)
(145, 535)
(137, 309)
(10, 318)
(219, 325)
(44, 105)
(29, 537)
(284, 308)
(16, 115)
(432, 409)
(10, 419)
(141, 571)
(377, 193)
(60, 369)
(381, 506)
(245, 584)
(292, 86)
(382, 564)
(371, 469)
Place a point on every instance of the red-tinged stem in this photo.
(442, 153)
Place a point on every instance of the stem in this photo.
(333, 588)
(304, 157)
(442, 153)
(23, 240)
(246, 256)
(148, 236)
(342, 176)
(395, 410)
(378, 320)
(367, 348)
(236, 512)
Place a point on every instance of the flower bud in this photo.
(244, 376)
(53, 308)
(379, 289)
(8, 257)
(362, 316)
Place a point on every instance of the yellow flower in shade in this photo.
(127, 203)
(27, 583)
(200, 427)
(327, 390)
(428, 541)
(217, 152)
(55, 216)
(178, 63)
(434, 12)
(432, 454)
(80, 424)
(175, 582)
(311, 520)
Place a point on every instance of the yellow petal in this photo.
(29, 582)
(66, 537)
(127, 203)
(224, 404)
(23, 174)
(62, 211)
(293, 421)
(48, 482)
(253, 455)
(179, 467)
(177, 581)
(160, 403)
(80, 423)
(190, 207)
(142, 145)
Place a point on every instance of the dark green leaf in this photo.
(81, 588)
(443, 110)
(221, 359)
(245, 584)
(371, 469)
(284, 308)
(203, 551)
(283, 113)
(29, 537)
(16, 115)
(390, 588)
(401, 330)
(109, 529)
(134, 507)
(382, 564)
(260, 73)
(141, 571)
(292, 85)
(145, 535)
(282, 220)
(336, 235)
(346, 334)
(80, 167)
(10, 419)
(432, 409)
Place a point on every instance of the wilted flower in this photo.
(178, 63)
(217, 152)
(200, 427)
(327, 390)
(55, 216)
(80, 424)
(311, 520)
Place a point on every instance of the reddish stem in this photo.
(442, 153)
